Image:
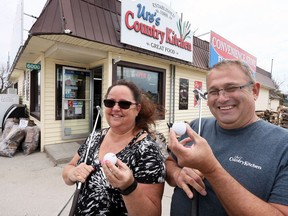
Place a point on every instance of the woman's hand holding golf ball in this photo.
(117, 173)
(110, 157)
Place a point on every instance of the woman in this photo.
(134, 186)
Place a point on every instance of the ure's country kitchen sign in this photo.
(154, 26)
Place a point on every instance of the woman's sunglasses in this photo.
(122, 104)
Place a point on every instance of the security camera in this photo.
(68, 31)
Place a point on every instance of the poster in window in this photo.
(76, 85)
(197, 85)
(74, 109)
(183, 94)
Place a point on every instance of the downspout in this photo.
(172, 94)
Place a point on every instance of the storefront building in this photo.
(77, 49)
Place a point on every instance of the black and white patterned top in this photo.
(97, 196)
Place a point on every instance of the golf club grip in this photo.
(75, 201)
(194, 211)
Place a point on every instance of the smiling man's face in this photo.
(232, 108)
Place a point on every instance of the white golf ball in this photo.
(179, 128)
(110, 157)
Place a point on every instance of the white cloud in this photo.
(8, 16)
(259, 27)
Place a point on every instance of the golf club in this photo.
(78, 189)
(199, 96)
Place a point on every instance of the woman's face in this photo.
(118, 118)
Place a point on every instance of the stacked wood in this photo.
(269, 115)
(261, 114)
(274, 117)
(283, 116)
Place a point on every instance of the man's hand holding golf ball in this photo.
(199, 156)
(117, 173)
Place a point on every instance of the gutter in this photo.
(172, 93)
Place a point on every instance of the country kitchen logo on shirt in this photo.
(240, 160)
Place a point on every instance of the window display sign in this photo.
(74, 109)
(183, 94)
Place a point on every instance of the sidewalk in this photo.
(32, 186)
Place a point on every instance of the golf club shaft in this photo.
(75, 201)
(195, 199)
(93, 131)
(78, 189)
(200, 116)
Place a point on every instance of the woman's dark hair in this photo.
(148, 113)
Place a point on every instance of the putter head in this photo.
(99, 110)
(199, 94)
(169, 125)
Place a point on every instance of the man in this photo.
(239, 164)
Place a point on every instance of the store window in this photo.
(150, 79)
(35, 97)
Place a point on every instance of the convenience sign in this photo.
(220, 49)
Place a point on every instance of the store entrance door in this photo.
(76, 103)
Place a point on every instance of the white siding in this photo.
(193, 111)
(262, 103)
(274, 104)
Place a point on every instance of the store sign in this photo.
(221, 48)
(153, 26)
(32, 66)
(197, 85)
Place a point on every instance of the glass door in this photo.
(76, 103)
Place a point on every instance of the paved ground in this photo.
(32, 186)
